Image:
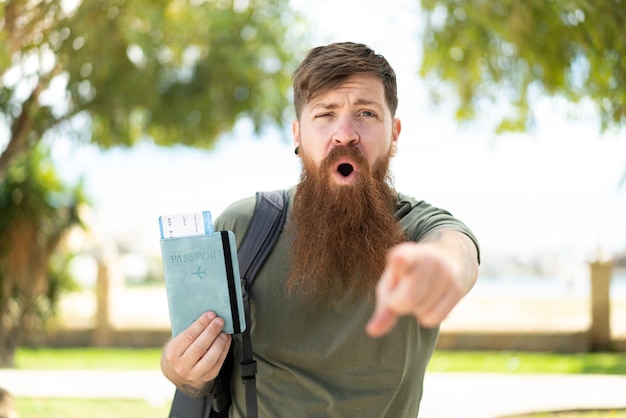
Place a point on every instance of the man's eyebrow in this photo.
(334, 105)
(367, 102)
(325, 105)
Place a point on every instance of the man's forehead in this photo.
(360, 90)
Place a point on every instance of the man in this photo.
(346, 308)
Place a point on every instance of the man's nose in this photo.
(346, 132)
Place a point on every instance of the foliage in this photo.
(118, 71)
(508, 50)
(114, 72)
(37, 210)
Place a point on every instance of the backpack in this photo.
(265, 226)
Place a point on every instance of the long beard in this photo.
(341, 233)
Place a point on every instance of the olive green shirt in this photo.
(317, 361)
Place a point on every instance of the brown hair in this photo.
(325, 67)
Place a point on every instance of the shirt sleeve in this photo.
(418, 218)
(236, 217)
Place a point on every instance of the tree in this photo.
(114, 72)
(37, 210)
(507, 49)
(117, 71)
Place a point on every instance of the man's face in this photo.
(343, 211)
(355, 113)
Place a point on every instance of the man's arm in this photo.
(425, 279)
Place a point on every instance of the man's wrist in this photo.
(197, 392)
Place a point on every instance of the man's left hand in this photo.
(426, 279)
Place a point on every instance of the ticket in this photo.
(186, 224)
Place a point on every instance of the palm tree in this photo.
(36, 210)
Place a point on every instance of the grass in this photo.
(517, 362)
(442, 361)
(148, 359)
(92, 408)
(88, 358)
(604, 413)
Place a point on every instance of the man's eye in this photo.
(368, 113)
(323, 115)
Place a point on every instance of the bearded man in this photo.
(346, 308)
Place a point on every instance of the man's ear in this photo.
(295, 133)
(396, 127)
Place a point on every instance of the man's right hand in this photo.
(194, 357)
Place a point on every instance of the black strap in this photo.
(230, 277)
(267, 222)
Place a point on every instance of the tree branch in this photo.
(20, 129)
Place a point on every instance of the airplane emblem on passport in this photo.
(199, 273)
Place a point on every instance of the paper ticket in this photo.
(186, 224)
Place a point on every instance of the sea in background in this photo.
(520, 287)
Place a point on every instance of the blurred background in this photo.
(115, 112)
(553, 189)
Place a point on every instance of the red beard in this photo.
(341, 233)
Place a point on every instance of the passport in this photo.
(201, 273)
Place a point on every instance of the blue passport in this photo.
(202, 274)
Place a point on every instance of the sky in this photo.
(552, 191)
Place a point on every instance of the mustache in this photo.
(352, 152)
(341, 234)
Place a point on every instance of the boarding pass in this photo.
(186, 224)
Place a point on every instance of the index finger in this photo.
(383, 319)
(181, 343)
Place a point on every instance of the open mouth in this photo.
(345, 169)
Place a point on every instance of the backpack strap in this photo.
(267, 222)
